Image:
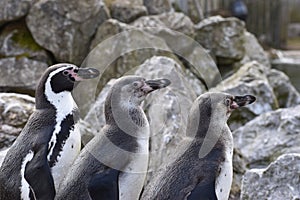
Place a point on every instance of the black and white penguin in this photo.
(50, 141)
(114, 163)
(204, 170)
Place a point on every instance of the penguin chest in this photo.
(224, 180)
(67, 155)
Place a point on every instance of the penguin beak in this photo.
(151, 85)
(240, 101)
(86, 73)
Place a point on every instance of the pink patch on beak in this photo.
(234, 105)
(74, 75)
(146, 88)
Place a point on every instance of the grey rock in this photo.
(191, 8)
(286, 94)
(20, 74)
(66, 27)
(268, 136)
(172, 20)
(16, 41)
(155, 7)
(224, 37)
(127, 11)
(13, 9)
(251, 78)
(15, 110)
(254, 51)
(117, 49)
(278, 181)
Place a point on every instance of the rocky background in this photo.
(35, 34)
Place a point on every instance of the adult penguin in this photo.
(204, 170)
(50, 141)
(114, 163)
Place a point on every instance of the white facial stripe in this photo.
(63, 103)
(25, 188)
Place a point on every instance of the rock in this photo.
(278, 181)
(127, 11)
(20, 74)
(172, 20)
(268, 136)
(16, 41)
(117, 49)
(178, 32)
(15, 110)
(12, 10)
(155, 7)
(191, 8)
(66, 27)
(286, 94)
(254, 51)
(224, 37)
(249, 79)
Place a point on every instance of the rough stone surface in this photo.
(191, 8)
(286, 94)
(249, 79)
(13, 9)
(15, 110)
(224, 37)
(155, 7)
(254, 51)
(126, 10)
(20, 74)
(172, 20)
(66, 27)
(268, 136)
(280, 180)
(16, 41)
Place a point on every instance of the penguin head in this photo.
(60, 78)
(226, 103)
(134, 89)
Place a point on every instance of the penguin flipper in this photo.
(104, 185)
(203, 191)
(38, 176)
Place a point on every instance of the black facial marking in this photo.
(66, 126)
(60, 83)
(137, 117)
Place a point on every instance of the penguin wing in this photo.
(104, 185)
(38, 175)
(203, 191)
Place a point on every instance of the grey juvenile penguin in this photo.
(204, 170)
(114, 163)
(50, 141)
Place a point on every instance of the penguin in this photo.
(113, 165)
(204, 170)
(50, 141)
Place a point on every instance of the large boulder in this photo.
(12, 10)
(155, 7)
(15, 110)
(280, 180)
(191, 8)
(126, 10)
(249, 79)
(66, 27)
(20, 74)
(268, 136)
(224, 37)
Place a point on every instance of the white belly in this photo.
(132, 180)
(67, 156)
(224, 180)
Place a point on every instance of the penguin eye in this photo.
(228, 102)
(136, 84)
(65, 73)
